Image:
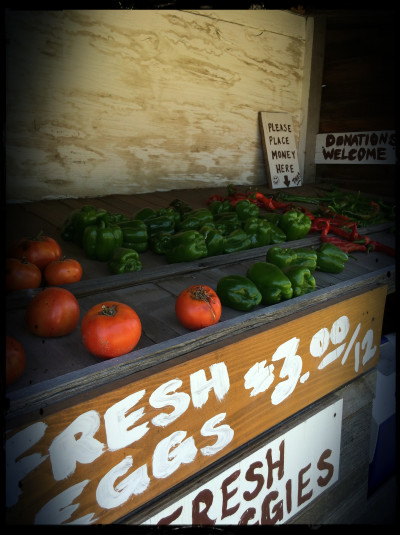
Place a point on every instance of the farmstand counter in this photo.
(233, 386)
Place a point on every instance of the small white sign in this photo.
(280, 151)
(376, 147)
(270, 485)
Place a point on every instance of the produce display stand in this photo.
(178, 429)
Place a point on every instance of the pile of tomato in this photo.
(108, 330)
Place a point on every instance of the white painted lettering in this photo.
(17, 470)
(66, 449)
(109, 496)
(165, 396)
(319, 342)
(165, 461)
(259, 378)
(60, 508)
(224, 434)
(291, 369)
(120, 427)
(200, 387)
(368, 345)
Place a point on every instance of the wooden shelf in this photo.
(60, 368)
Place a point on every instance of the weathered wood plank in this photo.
(136, 101)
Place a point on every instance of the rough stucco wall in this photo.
(102, 102)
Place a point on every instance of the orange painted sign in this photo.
(102, 458)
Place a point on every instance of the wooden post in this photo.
(311, 97)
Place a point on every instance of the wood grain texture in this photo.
(135, 101)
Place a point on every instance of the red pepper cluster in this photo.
(234, 196)
(350, 240)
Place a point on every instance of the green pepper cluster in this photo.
(179, 232)
(284, 274)
(183, 234)
(222, 229)
(107, 237)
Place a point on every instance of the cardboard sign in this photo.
(378, 147)
(270, 485)
(102, 458)
(280, 151)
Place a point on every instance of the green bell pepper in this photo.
(161, 223)
(215, 242)
(277, 234)
(195, 219)
(134, 235)
(258, 231)
(78, 220)
(99, 241)
(272, 217)
(169, 212)
(227, 222)
(301, 278)
(237, 240)
(281, 257)
(245, 209)
(186, 246)
(272, 283)
(124, 260)
(238, 292)
(180, 206)
(330, 258)
(145, 214)
(219, 207)
(295, 224)
(285, 257)
(113, 219)
(158, 242)
(306, 258)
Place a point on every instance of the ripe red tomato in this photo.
(21, 274)
(40, 250)
(15, 360)
(198, 306)
(62, 271)
(110, 329)
(52, 312)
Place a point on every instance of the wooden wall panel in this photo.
(102, 102)
(358, 91)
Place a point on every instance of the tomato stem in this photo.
(108, 311)
(200, 294)
(39, 236)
